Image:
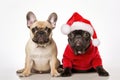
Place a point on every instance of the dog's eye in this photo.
(48, 29)
(71, 35)
(34, 29)
(86, 34)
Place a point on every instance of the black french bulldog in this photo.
(80, 42)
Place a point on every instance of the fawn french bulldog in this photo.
(41, 50)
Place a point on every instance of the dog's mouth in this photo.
(41, 40)
(41, 37)
(80, 47)
(79, 50)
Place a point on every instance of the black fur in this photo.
(66, 72)
(79, 40)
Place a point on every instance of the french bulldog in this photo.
(81, 54)
(41, 50)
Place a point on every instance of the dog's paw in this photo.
(24, 74)
(66, 73)
(20, 71)
(104, 73)
(55, 73)
(101, 71)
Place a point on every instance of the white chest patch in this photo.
(41, 58)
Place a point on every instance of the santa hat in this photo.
(77, 22)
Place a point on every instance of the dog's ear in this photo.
(52, 19)
(31, 18)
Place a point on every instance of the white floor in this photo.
(10, 74)
(74, 77)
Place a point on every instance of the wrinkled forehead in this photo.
(78, 32)
(41, 24)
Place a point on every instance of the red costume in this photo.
(84, 61)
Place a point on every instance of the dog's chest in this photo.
(40, 54)
(41, 58)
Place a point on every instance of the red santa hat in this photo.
(77, 22)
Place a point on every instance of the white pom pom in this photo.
(65, 29)
(96, 42)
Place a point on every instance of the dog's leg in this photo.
(54, 64)
(28, 67)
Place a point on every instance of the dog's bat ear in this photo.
(31, 18)
(52, 19)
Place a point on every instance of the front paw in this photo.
(20, 71)
(55, 73)
(103, 74)
(101, 71)
(25, 74)
(66, 73)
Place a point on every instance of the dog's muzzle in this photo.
(41, 37)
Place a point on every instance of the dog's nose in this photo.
(78, 40)
(41, 32)
(78, 36)
(78, 43)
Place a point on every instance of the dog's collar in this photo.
(44, 45)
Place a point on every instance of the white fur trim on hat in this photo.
(82, 26)
(96, 42)
(65, 29)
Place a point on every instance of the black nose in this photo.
(41, 32)
(78, 40)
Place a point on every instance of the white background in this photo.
(103, 14)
